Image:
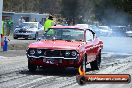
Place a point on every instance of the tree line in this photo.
(104, 11)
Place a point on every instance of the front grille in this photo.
(22, 31)
(51, 53)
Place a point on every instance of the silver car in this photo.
(129, 33)
(105, 31)
(28, 30)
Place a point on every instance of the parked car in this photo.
(68, 46)
(119, 31)
(105, 31)
(129, 33)
(28, 30)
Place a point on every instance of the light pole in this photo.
(1, 9)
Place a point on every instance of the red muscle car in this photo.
(65, 46)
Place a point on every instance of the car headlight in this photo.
(74, 53)
(67, 53)
(39, 51)
(16, 31)
(32, 52)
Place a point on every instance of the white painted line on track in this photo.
(36, 80)
(1, 57)
(115, 53)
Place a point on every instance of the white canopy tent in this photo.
(1, 8)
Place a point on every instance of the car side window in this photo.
(39, 26)
(89, 36)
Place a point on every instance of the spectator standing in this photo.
(48, 24)
(9, 26)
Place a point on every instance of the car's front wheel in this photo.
(15, 37)
(84, 63)
(31, 67)
(83, 66)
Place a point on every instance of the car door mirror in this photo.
(89, 35)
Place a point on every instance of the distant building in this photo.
(27, 17)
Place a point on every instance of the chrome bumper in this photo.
(51, 57)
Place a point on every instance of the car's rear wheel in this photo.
(96, 63)
(31, 67)
(99, 59)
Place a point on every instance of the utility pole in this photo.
(1, 9)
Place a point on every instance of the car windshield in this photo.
(64, 34)
(30, 25)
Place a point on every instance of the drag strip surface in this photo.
(14, 72)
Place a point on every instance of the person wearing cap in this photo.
(48, 24)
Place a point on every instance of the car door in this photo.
(90, 46)
(96, 45)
